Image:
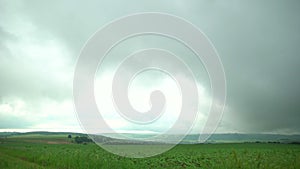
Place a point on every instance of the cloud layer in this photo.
(257, 42)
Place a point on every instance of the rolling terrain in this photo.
(56, 150)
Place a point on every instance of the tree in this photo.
(69, 136)
(82, 139)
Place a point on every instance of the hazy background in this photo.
(258, 43)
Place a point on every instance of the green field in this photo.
(58, 152)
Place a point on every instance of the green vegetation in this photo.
(59, 151)
(82, 139)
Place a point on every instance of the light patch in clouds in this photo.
(44, 114)
(139, 97)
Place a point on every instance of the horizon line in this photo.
(132, 132)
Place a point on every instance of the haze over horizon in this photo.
(256, 41)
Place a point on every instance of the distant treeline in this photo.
(82, 140)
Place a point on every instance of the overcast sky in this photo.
(257, 41)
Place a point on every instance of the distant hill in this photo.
(189, 139)
(219, 138)
(36, 133)
(4, 134)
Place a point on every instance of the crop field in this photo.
(60, 153)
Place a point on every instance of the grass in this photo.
(58, 152)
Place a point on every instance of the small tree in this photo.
(69, 136)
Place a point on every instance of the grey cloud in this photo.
(261, 61)
(20, 78)
(257, 42)
(15, 122)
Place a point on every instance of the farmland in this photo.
(59, 152)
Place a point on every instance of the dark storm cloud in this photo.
(261, 60)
